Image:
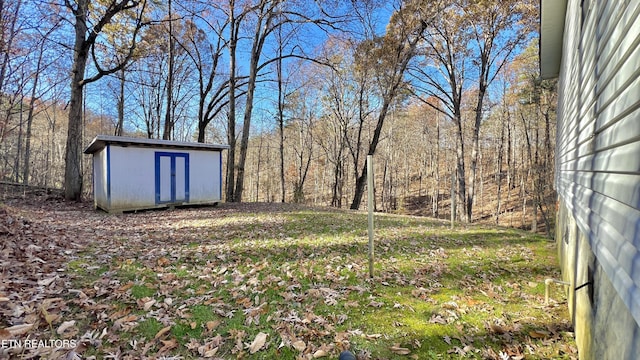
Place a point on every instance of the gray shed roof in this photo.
(552, 15)
(100, 141)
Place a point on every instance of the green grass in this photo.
(148, 328)
(141, 291)
(302, 275)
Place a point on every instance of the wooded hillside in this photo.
(445, 94)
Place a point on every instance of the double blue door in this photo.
(172, 177)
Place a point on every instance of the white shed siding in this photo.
(205, 179)
(101, 198)
(598, 144)
(132, 174)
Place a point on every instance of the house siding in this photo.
(598, 174)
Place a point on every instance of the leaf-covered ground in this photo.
(260, 281)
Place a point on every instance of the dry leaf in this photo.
(320, 353)
(451, 305)
(210, 325)
(396, 349)
(50, 318)
(538, 334)
(19, 329)
(168, 345)
(118, 324)
(299, 345)
(497, 329)
(437, 319)
(353, 304)
(47, 282)
(65, 326)
(125, 287)
(258, 343)
(162, 332)
(210, 353)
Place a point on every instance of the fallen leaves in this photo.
(174, 284)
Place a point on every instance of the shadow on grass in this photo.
(523, 341)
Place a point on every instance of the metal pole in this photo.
(370, 210)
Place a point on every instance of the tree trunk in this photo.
(258, 169)
(32, 103)
(281, 125)
(120, 125)
(436, 190)
(474, 152)
(73, 153)
(362, 179)
(336, 193)
(460, 171)
(16, 164)
(8, 43)
(260, 34)
(168, 118)
(231, 118)
(498, 176)
(244, 142)
(386, 188)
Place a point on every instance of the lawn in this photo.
(272, 281)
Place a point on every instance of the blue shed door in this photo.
(172, 177)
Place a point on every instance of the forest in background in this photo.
(445, 94)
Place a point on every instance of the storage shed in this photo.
(135, 174)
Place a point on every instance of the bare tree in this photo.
(205, 46)
(234, 21)
(86, 36)
(265, 16)
(471, 39)
(393, 52)
(342, 107)
(499, 29)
